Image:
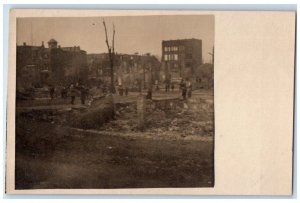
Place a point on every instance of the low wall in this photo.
(164, 104)
(100, 111)
(192, 104)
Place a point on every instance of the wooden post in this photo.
(141, 110)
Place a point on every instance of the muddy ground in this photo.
(64, 158)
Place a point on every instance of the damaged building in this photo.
(38, 66)
(130, 70)
(180, 59)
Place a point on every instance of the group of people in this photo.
(186, 88)
(168, 86)
(81, 90)
(123, 90)
(73, 90)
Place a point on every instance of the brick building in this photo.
(129, 69)
(180, 59)
(39, 66)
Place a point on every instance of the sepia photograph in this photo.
(149, 102)
(115, 102)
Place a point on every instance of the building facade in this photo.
(180, 59)
(38, 66)
(129, 69)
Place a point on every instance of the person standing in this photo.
(126, 91)
(63, 92)
(156, 85)
(52, 91)
(149, 93)
(83, 92)
(183, 88)
(120, 90)
(189, 89)
(72, 93)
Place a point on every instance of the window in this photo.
(181, 48)
(166, 57)
(175, 57)
(173, 48)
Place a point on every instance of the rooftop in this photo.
(52, 41)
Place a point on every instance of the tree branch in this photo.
(113, 40)
(106, 35)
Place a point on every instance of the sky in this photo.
(142, 34)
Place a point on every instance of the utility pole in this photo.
(111, 55)
(213, 55)
(31, 36)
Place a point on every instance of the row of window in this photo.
(173, 48)
(176, 48)
(171, 57)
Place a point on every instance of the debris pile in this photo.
(172, 123)
(163, 118)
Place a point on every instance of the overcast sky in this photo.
(142, 34)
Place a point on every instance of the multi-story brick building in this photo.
(129, 69)
(181, 58)
(40, 66)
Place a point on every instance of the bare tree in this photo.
(111, 55)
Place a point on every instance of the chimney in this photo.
(59, 46)
(43, 44)
(24, 43)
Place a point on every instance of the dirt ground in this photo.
(176, 149)
(61, 157)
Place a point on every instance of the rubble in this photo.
(167, 119)
(176, 123)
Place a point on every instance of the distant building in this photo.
(180, 58)
(38, 66)
(129, 69)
